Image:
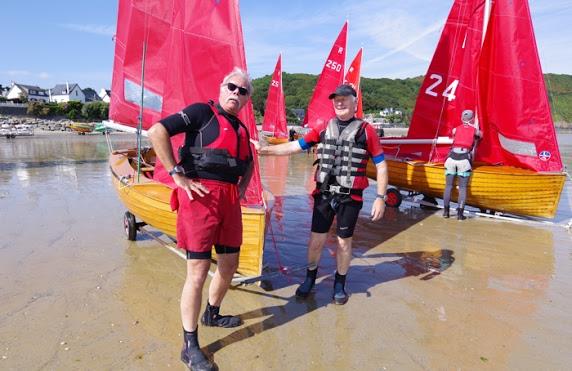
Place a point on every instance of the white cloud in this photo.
(105, 30)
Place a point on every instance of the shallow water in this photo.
(426, 292)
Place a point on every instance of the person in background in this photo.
(344, 146)
(291, 135)
(214, 168)
(459, 161)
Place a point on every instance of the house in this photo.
(4, 90)
(91, 95)
(390, 112)
(300, 113)
(29, 92)
(105, 95)
(66, 92)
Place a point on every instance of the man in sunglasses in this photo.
(214, 169)
(344, 145)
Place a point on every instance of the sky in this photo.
(49, 42)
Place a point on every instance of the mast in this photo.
(486, 18)
(140, 123)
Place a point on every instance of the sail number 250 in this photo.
(448, 93)
(333, 65)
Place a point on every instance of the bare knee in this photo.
(228, 265)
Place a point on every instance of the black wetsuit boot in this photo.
(460, 212)
(446, 212)
(306, 287)
(340, 296)
(192, 355)
(211, 317)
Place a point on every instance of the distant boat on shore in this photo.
(81, 127)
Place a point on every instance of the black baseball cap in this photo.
(343, 90)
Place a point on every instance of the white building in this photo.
(30, 92)
(105, 95)
(66, 92)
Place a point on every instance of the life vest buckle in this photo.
(339, 190)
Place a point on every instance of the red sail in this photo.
(275, 110)
(190, 47)
(515, 113)
(320, 108)
(450, 85)
(353, 77)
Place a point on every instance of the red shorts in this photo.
(214, 219)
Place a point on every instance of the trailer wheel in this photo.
(130, 226)
(394, 197)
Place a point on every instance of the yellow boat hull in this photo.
(148, 200)
(81, 128)
(496, 188)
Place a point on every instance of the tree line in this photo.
(73, 110)
(401, 94)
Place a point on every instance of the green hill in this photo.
(397, 93)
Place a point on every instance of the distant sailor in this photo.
(344, 144)
(215, 167)
(459, 161)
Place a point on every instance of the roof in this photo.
(27, 88)
(61, 89)
(91, 95)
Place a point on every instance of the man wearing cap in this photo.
(458, 162)
(344, 146)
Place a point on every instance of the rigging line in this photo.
(452, 63)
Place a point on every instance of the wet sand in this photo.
(426, 293)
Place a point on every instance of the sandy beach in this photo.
(426, 293)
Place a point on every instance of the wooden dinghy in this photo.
(148, 200)
(487, 61)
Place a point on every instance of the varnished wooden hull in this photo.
(81, 128)
(148, 200)
(499, 188)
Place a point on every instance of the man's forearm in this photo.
(382, 178)
(162, 145)
(281, 149)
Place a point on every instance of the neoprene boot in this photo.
(211, 317)
(340, 296)
(192, 355)
(306, 287)
(460, 212)
(446, 212)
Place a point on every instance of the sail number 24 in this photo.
(448, 93)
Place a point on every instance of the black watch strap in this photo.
(177, 170)
(383, 197)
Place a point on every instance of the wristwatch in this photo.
(177, 170)
(383, 197)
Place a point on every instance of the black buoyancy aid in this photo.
(223, 155)
(340, 156)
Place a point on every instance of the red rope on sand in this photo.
(281, 268)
